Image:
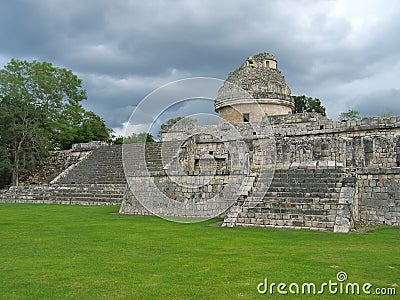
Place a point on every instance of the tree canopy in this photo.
(135, 138)
(173, 121)
(40, 110)
(350, 115)
(147, 137)
(308, 104)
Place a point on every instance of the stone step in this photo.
(298, 194)
(86, 199)
(293, 200)
(301, 198)
(102, 166)
(102, 194)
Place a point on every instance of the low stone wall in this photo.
(95, 194)
(131, 206)
(80, 147)
(181, 195)
(61, 202)
(378, 198)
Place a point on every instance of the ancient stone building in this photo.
(270, 167)
(264, 91)
(261, 166)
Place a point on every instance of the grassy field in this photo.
(58, 252)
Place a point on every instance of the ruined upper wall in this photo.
(370, 142)
(309, 137)
(316, 124)
(260, 77)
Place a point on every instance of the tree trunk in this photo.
(15, 178)
(15, 171)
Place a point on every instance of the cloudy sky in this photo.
(346, 53)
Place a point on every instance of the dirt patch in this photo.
(217, 224)
(365, 227)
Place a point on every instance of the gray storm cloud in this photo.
(345, 53)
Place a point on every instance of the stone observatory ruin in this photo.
(262, 166)
(260, 78)
(278, 169)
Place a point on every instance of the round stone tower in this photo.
(254, 89)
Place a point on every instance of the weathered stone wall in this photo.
(181, 195)
(378, 198)
(131, 206)
(85, 194)
(190, 187)
(370, 142)
(315, 123)
(398, 151)
(255, 112)
(51, 168)
(360, 151)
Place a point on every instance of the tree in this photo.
(173, 121)
(23, 142)
(388, 114)
(135, 138)
(350, 115)
(91, 128)
(308, 104)
(40, 111)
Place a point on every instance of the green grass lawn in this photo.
(57, 252)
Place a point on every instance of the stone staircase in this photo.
(101, 166)
(296, 199)
(97, 179)
(157, 157)
(245, 191)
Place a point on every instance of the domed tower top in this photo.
(265, 60)
(263, 91)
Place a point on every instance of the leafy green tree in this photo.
(350, 115)
(91, 128)
(388, 113)
(173, 121)
(308, 104)
(40, 111)
(135, 138)
(23, 141)
(183, 120)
